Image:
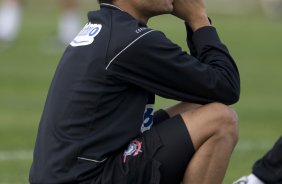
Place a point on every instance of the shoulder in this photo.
(152, 37)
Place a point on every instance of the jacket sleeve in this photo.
(157, 65)
(189, 40)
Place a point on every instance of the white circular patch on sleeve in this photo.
(86, 35)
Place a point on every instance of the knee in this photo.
(228, 122)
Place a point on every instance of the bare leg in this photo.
(213, 130)
(181, 108)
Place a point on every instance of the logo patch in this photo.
(134, 148)
(86, 35)
(148, 118)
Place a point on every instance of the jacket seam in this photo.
(125, 48)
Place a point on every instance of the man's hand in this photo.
(191, 11)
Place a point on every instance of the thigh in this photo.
(177, 149)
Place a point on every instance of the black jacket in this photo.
(106, 78)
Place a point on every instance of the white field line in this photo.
(245, 146)
(242, 146)
(16, 155)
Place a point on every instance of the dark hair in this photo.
(105, 1)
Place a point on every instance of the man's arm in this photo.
(195, 16)
(161, 67)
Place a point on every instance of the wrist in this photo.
(198, 21)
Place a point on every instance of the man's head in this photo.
(142, 9)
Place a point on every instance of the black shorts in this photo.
(158, 156)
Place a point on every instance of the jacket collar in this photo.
(111, 6)
(106, 5)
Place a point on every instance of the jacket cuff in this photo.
(205, 36)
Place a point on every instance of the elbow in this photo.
(234, 98)
(233, 95)
(233, 89)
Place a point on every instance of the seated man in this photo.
(98, 124)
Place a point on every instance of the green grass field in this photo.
(26, 69)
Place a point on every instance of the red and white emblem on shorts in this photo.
(134, 148)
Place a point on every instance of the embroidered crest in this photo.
(133, 149)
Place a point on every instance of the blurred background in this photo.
(252, 30)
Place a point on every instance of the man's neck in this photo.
(131, 10)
